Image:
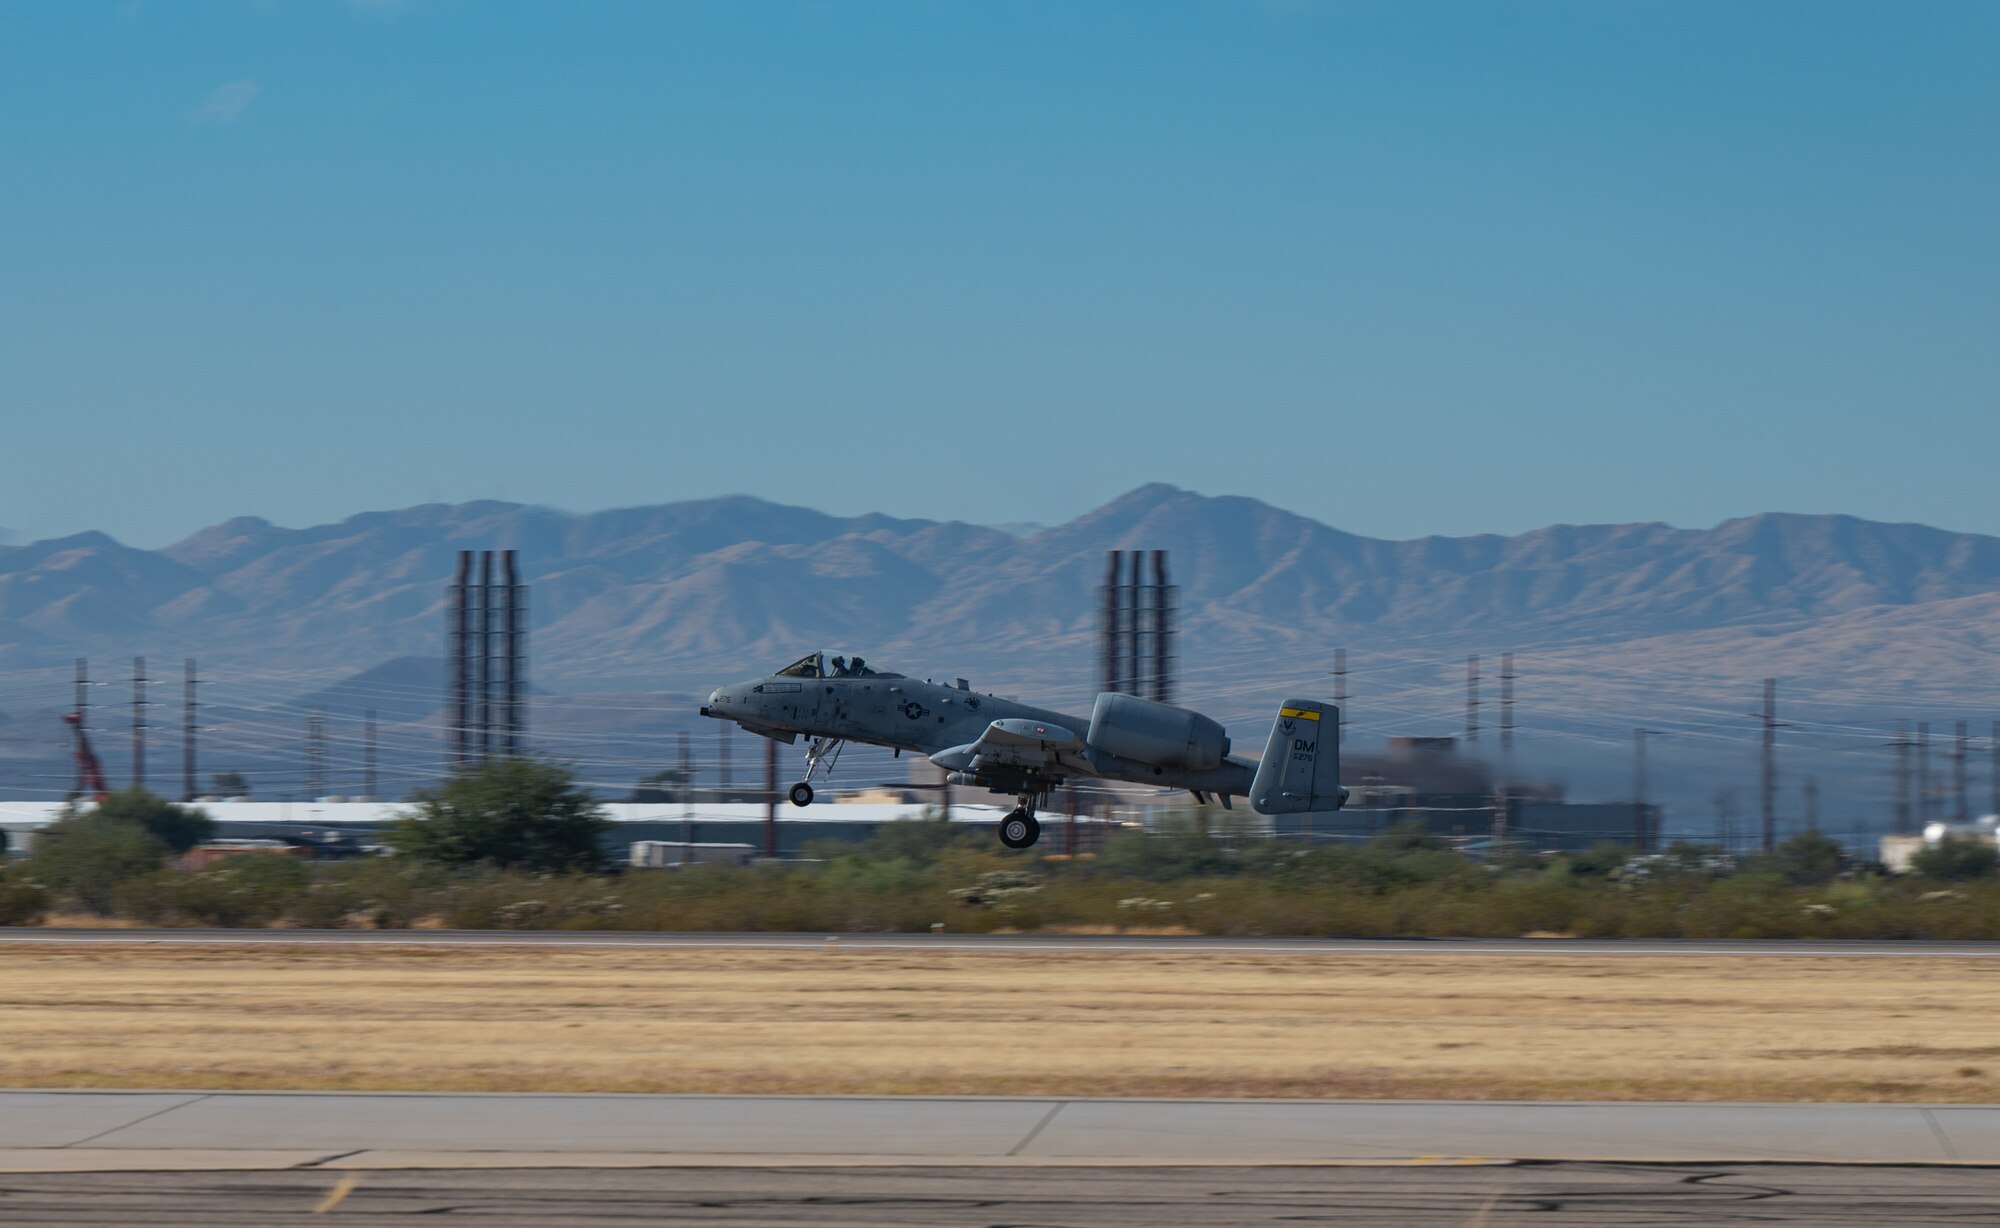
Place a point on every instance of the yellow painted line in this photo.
(338, 1194)
(1304, 714)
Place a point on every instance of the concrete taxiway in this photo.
(1584, 1195)
(74, 1131)
(1400, 947)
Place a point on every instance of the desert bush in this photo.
(515, 814)
(1955, 860)
(85, 857)
(253, 889)
(22, 900)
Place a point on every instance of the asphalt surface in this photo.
(1610, 1195)
(1012, 942)
(104, 1130)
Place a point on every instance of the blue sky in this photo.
(1405, 267)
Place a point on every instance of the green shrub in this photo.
(1955, 860)
(516, 813)
(84, 857)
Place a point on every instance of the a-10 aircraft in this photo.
(1007, 747)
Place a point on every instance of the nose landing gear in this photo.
(1020, 829)
(821, 755)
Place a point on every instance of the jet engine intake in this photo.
(1156, 733)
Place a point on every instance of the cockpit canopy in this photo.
(831, 665)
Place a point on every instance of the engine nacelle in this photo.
(1156, 733)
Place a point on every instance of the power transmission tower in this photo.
(1769, 786)
(187, 733)
(1506, 705)
(1340, 690)
(315, 756)
(139, 681)
(368, 755)
(1993, 769)
(1961, 746)
(1902, 746)
(1472, 698)
(1811, 790)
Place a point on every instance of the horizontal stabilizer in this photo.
(1300, 771)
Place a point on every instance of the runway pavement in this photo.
(44, 1131)
(1014, 942)
(1583, 1195)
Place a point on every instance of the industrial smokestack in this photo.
(457, 625)
(1163, 631)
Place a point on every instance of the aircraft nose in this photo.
(718, 703)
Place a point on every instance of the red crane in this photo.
(89, 772)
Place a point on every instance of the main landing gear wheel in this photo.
(802, 794)
(1019, 830)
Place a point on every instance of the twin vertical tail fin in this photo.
(1300, 770)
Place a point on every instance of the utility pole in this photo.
(139, 722)
(187, 733)
(1472, 698)
(368, 755)
(315, 756)
(770, 798)
(1341, 691)
(1640, 827)
(723, 747)
(1993, 769)
(1923, 774)
(1769, 788)
(687, 798)
(82, 719)
(1902, 746)
(1962, 744)
(1502, 813)
(1811, 789)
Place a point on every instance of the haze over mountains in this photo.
(1611, 624)
(652, 595)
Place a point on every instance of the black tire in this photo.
(802, 794)
(1020, 830)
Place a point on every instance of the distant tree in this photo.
(1601, 859)
(661, 787)
(229, 784)
(1954, 860)
(180, 828)
(523, 814)
(1410, 835)
(1810, 858)
(87, 855)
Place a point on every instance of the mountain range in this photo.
(1611, 624)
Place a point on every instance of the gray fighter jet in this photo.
(1007, 747)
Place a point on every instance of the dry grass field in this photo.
(1185, 1023)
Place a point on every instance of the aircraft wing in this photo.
(1032, 746)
